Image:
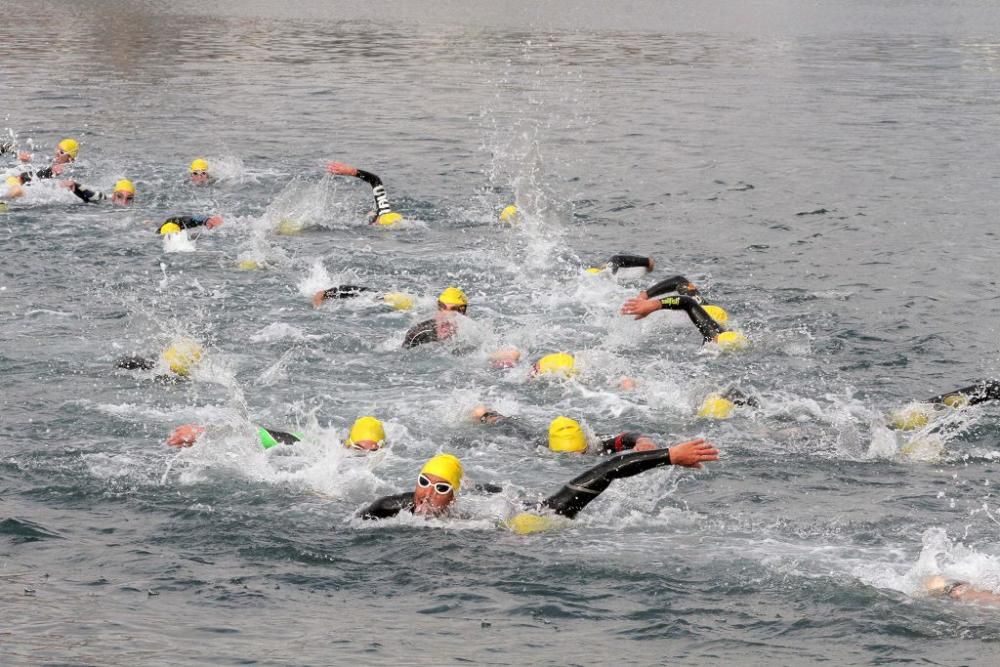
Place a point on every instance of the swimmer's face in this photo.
(199, 177)
(62, 157)
(452, 308)
(433, 495)
(365, 445)
(122, 198)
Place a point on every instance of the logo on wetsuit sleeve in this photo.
(381, 199)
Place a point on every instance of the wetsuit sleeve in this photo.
(619, 443)
(133, 363)
(88, 195)
(509, 425)
(188, 221)
(577, 494)
(345, 291)
(27, 175)
(378, 191)
(981, 392)
(708, 327)
(678, 284)
(389, 506)
(420, 333)
(627, 262)
(6, 147)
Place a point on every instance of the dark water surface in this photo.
(826, 171)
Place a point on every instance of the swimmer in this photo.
(617, 262)
(917, 416)
(963, 591)
(558, 363)
(718, 405)
(710, 328)
(180, 358)
(198, 172)
(566, 435)
(65, 153)
(442, 326)
(382, 214)
(122, 195)
(367, 435)
(440, 480)
(176, 223)
(397, 300)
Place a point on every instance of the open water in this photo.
(826, 171)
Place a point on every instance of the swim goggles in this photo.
(440, 488)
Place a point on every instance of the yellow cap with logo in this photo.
(559, 363)
(566, 435)
(199, 164)
(447, 467)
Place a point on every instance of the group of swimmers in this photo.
(440, 478)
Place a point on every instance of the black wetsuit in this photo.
(678, 284)
(346, 291)
(420, 333)
(567, 501)
(981, 392)
(627, 262)
(378, 191)
(708, 327)
(185, 221)
(88, 195)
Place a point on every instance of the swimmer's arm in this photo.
(388, 506)
(669, 285)
(620, 443)
(191, 221)
(708, 327)
(85, 194)
(981, 392)
(630, 261)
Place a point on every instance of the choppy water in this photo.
(826, 173)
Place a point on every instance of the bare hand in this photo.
(68, 184)
(692, 453)
(341, 169)
(57, 169)
(318, 298)
(185, 435)
(641, 307)
(24, 156)
(214, 221)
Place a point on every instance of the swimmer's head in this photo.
(366, 433)
(199, 171)
(437, 484)
(566, 435)
(182, 356)
(509, 214)
(956, 401)
(731, 341)
(596, 269)
(453, 299)
(505, 357)
(398, 300)
(716, 313)
(66, 151)
(716, 406)
(13, 187)
(389, 219)
(169, 228)
(124, 192)
(559, 363)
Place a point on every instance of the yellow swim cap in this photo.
(125, 185)
(956, 401)
(249, 265)
(732, 340)
(366, 428)
(911, 418)
(200, 164)
(559, 363)
(390, 218)
(595, 269)
(398, 300)
(453, 296)
(289, 227)
(509, 214)
(715, 406)
(565, 435)
(169, 228)
(182, 356)
(526, 523)
(13, 181)
(716, 313)
(70, 146)
(446, 467)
